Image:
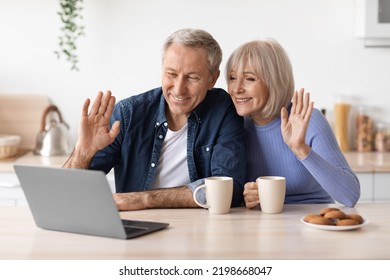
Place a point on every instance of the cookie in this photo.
(321, 221)
(346, 222)
(308, 217)
(325, 210)
(335, 214)
(355, 217)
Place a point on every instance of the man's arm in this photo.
(178, 197)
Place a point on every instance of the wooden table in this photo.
(194, 234)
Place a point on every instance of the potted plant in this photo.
(71, 30)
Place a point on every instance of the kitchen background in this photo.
(121, 50)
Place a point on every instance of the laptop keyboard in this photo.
(132, 227)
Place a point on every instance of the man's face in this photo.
(185, 79)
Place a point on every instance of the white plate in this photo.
(335, 228)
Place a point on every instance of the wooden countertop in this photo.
(6, 165)
(369, 161)
(359, 162)
(193, 234)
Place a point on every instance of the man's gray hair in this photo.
(197, 38)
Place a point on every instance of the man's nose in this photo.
(180, 86)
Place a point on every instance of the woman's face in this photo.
(249, 94)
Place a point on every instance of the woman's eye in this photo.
(232, 78)
(250, 79)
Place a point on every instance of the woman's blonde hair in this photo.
(270, 62)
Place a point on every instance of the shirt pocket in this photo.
(203, 157)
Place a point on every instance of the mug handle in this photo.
(194, 196)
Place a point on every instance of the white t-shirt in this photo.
(172, 168)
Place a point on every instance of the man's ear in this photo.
(214, 78)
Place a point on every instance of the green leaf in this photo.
(71, 30)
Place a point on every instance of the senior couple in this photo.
(163, 143)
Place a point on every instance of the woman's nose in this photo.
(237, 87)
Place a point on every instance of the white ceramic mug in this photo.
(272, 191)
(219, 193)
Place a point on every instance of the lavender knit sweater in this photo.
(324, 176)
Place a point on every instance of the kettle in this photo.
(54, 138)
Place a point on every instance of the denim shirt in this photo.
(215, 145)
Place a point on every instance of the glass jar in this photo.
(342, 110)
(382, 137)
(364, 130)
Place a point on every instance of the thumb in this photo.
(284, 117)
(115, 129)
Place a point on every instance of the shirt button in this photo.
(160, 136)
(207, 149)
(153, 164)
(165, 124)
(157, 123)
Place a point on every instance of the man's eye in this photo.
(193, 78)
(171, 74)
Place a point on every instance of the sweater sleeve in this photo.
(327, 163)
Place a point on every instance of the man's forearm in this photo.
(78, 160)
(178, 197)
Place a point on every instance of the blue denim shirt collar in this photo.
(161, 117)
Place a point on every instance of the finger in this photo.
(96, 103)
(298, 108)
(283, 117)
(306, 103)
(251, 204)
(309, 111)
(250, 192)
(115, 129)
(84, 110)
(105, 103)
(250, 186)
(110, 107)
(294, 102)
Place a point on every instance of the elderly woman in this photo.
(285, 135)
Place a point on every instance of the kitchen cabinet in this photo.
(372, 19)
(366, 187)
(373, 171)
(10, 192)
(382, 187)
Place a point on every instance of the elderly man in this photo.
(164, 142)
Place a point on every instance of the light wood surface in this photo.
(359, 162)
(196, 234)
(378, 162)
(30, 158)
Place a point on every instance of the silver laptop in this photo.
(77, 201)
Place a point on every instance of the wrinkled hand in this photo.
(294, 127)
(251, 195)
(129, 201)
(94, 130)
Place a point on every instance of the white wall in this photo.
(122, 47)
